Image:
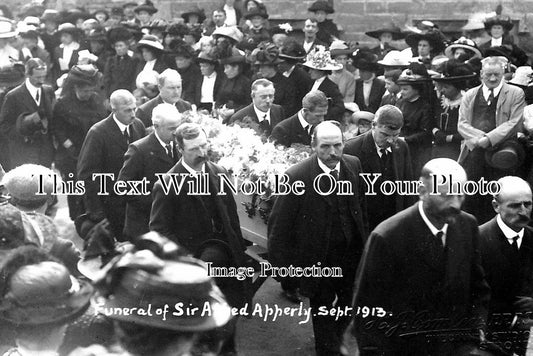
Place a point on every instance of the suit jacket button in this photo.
(356, 212)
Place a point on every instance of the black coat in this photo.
(189, 77)
(144, 159)
(302, 82)
(299, 227)
(144, 112)
(234, 92)
(290, 131)
(277, 115)
(286, 94)
(326, 30)
(103, 152)
(376, 94)
(405, 271)
(335, 100)
(120, 73)
(364, 148)
(198, 88)
(38, 148)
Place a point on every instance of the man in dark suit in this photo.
(316, 229)
(169, 84)
(25, 118)
(262, 110)
(310, 40)
(206, 225)
(152, 154)
(420, 277)
(506, 247)
(380, 152)
(299, 128)
(369, 89)
(103, 152)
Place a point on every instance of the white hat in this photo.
(320, 59)
(522, 76)
(6, 29)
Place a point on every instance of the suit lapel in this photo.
(30, 101)
(159, 151)
(116, 134)
(314, 172)
(427, 246)
(371, 153)
(502, 97)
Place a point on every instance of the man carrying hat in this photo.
(382, 153)
(26, 116)
(385, 36)
(489, 115)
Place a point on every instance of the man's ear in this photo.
(496, 206)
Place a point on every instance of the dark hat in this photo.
(434, 37)
(28, 124)
(366, 60)
(73, 15)
(117, 11)
(50, 15)
(508, 155)
(130, 4)
(84, 74)
(233, 59)
(321, 5)
(464, 43)
(119, 34)
(391, 28)
(11, 229)
(134, 29)
(11, 76)
(293, 51)
(100, 11)
(154, 275)
(415, 74)
(178, 48)
(157, 24)
(206, 58)
(338, 47)
(194, 10)
(148, 6)
(256, 12)
(29, 33)
(514, 54)
(98, 34)
(150, 41)
(504, 21)
(265, 54)
(44, 293)
(177, 29)
(453, 71)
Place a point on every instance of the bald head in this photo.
(327, 141)
(514, 202)
(123, 106)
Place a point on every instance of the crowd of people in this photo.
(94, 106)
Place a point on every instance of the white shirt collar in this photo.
(326, 169)
(302, 120)
(121, 126)
(431, 227)
(71, 46)
(318, 82)
(31, 88)
(508, 232)
(496, 42)
(212, 75)
(486, 91)
(189, 168)
(163, 143)
(289, 72)
(378, 149)
(261, 115)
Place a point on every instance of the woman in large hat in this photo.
(207, 87)
(462, 49)
(152, 54)
(184, 59)
(234, 92)
(369, 89)
(144, 12)
(320, 66)
(385, 35)
(498, 28)
(426, 46)
(66, 55)
(345, 80)
(452, 82)
(78, 108)
(327, 29)
(258, 31)
(99, 46)
(416, 91)
(292, 54)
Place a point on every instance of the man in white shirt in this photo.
(506, 247)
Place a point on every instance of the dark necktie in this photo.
(169, 151)
(514, 245)
(127, 135)
(439, 238)
(264, 125)
(491, 97)
(383, 152)
(334, 173)
(38, 96)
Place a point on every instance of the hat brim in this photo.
(149, 9)
(262, 14)
(448, 52)
(413, 81)
(291, 58)
(460, 78)
(325, 68)
(507, 156)
(149, 44)
(340, 52)
(233, 60)
(201, 16)
(396, 35)
(507, 25)
(8, 34)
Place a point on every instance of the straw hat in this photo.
(464, 43)
(6, 29)
(231, 32)
(151, 42)
(523, 76)
(394, 59)
(320, 59)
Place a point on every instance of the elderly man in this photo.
(322, 230)
(155, 153)
(419, 266)
(299, 128)
(169, 84)
(506, 247)
(26, 116)
(103, 153)
(262, 110)
(384, 158)
(489, 115)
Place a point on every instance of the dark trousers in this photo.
(332, 292)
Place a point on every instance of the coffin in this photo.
(253, 227)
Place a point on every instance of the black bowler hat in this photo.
(506, 156)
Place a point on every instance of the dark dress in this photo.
(120, 73)
(234, 92)
(326, 30)
(417, 130)
(285, 94)
(446, 117)
(72, 120)
(189, 77)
